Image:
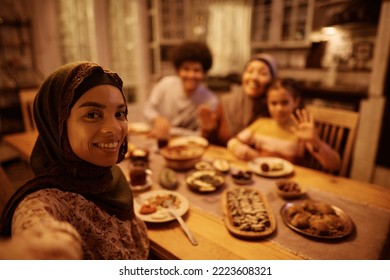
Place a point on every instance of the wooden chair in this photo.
(337, 127)
(26, 97)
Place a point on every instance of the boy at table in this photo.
(284, 134)
(175, 99)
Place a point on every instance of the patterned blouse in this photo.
(52, 215)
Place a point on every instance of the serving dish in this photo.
(242, 177)
(317, 219)
(203, 165)
(182, 157)
(188, 140)
(221, 165)
(289, 189)
(271, 167)
(156, 199)
(247, 213)
(205, 181)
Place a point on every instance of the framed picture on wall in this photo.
(362, 53)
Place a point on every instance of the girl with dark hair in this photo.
(287, 133)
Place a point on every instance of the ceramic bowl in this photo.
(289, 189)
(182, 157)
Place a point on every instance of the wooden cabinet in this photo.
(281, 23)
(17, 70)
(16, 46)
(275, 24)
(168, 21)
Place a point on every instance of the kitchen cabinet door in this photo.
(281, 23)
(168, 27)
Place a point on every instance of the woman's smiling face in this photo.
(97, 125)
(255, 78)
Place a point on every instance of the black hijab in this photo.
(53, 161)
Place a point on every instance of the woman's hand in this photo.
(207, 118)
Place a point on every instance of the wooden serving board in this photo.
(262, 220)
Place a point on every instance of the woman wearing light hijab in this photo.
(240, 108)
(79, 205)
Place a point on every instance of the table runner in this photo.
(369, 240)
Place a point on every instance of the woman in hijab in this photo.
(240, 108)
(79, 205)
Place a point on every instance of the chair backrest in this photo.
(26, 97)
(337, 127)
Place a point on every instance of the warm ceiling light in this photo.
(329, 30)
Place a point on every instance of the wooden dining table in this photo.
(168, 240)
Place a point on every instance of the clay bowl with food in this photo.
(242, 177)
(289, 189)
(182, 157)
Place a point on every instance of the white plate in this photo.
(139, 127)
(255, 166)
(160, 215)
(186, 140)
(148, 184)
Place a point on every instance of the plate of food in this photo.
(247, 213)
(221, 165)
(289, 189)
(152, 206)
(188, 140)
(271, 166)
(317, 219)
(203, 165)
(205, 181)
